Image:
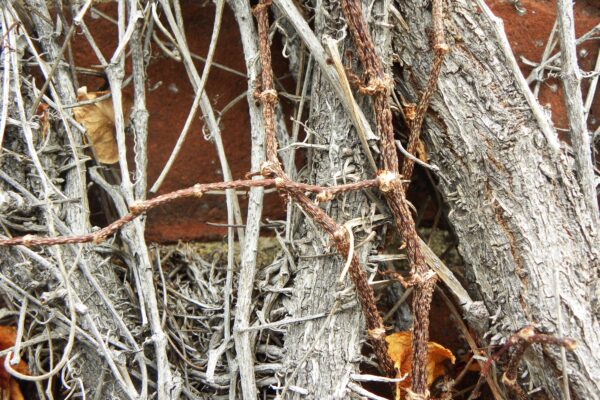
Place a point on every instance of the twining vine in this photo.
(392, 181)
(389, 181)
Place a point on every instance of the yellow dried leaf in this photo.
(99, 121)
(400, 351)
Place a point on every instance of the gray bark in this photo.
(96, 286)
(321, 354)
(243, 340)
(525, 232)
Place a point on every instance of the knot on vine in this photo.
(268, 96)
(197, 190)
(29, 240)
(262, 6)
(99, 237)
(524, 334)
(378, 85)
(279, 182)
(340, 234)
(377, 333)
(269, 169)
(388, 181)
(419, 279)
(410, 111)
(325, 196)
(508, 381)
(137, 207)
(441, 48)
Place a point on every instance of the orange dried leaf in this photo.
(99, 120)
(8, 337)
(400, 351)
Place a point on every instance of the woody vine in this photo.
(392, 179)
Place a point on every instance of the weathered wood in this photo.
(95, 285)
(325, 352)
(525, 232)
(244, 345)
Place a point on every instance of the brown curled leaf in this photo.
(8, 385)
(99, 121)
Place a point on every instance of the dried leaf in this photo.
(42, 113)
(400, 351)
(421, 151)
(99, 120)
(8, 337)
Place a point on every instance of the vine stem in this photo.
(379, 85)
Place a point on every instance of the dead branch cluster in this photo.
(88, 310)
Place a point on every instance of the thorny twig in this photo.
(141, 207)
(519, 343)
(378, 86)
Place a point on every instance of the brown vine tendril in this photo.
(339, 236)
(140, 208)
(379, 86)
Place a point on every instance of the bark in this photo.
(96, 286)
(525, 233)
(327, 350)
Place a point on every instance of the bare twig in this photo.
(502, 41)
(243, 343)
(591, 94)
(168, 383)
(199, 92)
(206, 107)
(571, 79)
(533, 75)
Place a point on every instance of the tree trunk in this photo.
(322, 353)
(525, 234)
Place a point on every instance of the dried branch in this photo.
(243, 343)
(571, 79)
